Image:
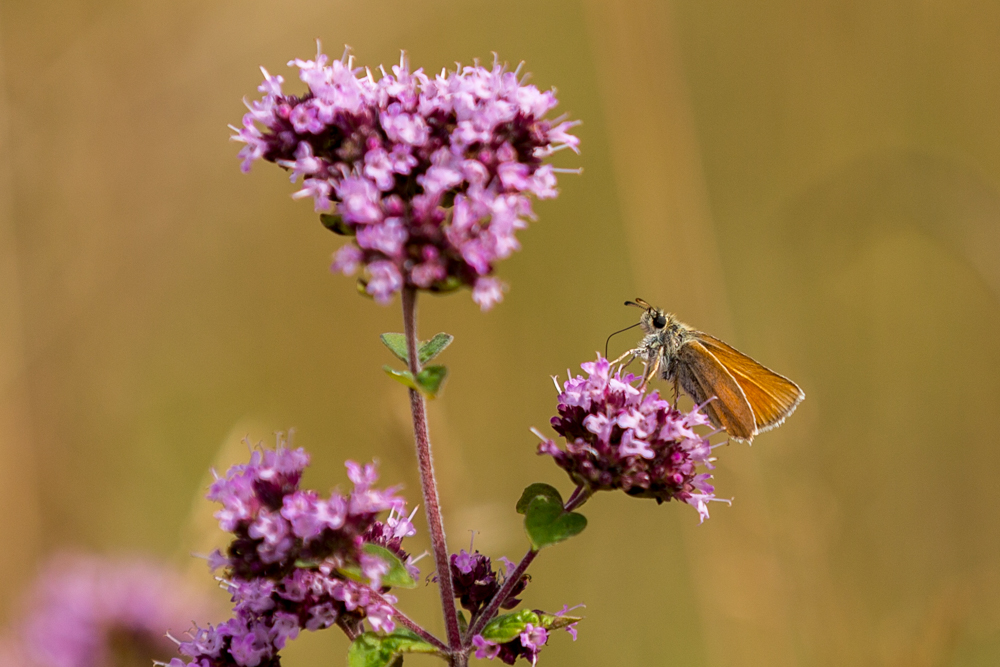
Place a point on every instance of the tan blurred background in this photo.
(818, 183)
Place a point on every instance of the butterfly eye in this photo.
(660, 321)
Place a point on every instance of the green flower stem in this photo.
(432, 506)
(408, 622)
(579, 497)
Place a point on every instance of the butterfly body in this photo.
(663, 341)
(739, 394)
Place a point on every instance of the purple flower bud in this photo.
(347, 260)
(488, 292)
(359, 201)
(485, 649)
(476, 582)
(534, 638)
(387, 238)
(285, 627)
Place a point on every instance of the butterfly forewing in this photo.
(703, 376)
(772, 397)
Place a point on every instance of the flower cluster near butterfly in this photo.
(619, 436)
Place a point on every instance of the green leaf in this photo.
(336, 224)
(463, 624)
(352, 572)
(396, 342)
(366, 651)
(397, 576)
(404, 640)
(548, 524)
(449, 284)
(538, 490)
(545, 520)
(433, 347)
(554, 622)
(506, 627)
(404, 378)
(372, 650)
(430, 380)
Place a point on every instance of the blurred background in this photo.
(816, 183)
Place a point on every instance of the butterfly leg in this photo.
(631, 354)
(677, 393)
(650, 372)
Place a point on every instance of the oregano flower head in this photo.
(432, 176)
(299, 560)
(621, 437)
(476, 582)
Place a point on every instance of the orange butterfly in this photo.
(747, 398)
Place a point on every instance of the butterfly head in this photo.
(654, 319)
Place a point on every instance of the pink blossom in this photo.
(413, 164)
(620, 437)
(488, 292)
(281, 585)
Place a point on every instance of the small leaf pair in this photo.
(428, 380)
(427, 350)
(545, 519)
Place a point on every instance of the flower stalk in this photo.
(428, 483)
(580, 495)
(409, 623)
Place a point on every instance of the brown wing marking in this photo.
(771, 396)
(703, 376)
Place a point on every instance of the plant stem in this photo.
(408, 622)
(577, 498)
(508, 585)
(349, 629)
(432, 506)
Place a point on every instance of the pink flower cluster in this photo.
(276, 523)
(267, 614)
(618, 437)
(431, 176)
(287, 562)
(84, 607)
(476, 582)
(527, 645)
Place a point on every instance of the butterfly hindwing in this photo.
(771, 396)
(704, 377)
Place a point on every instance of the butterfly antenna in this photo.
(608, 341)
(639, 303)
